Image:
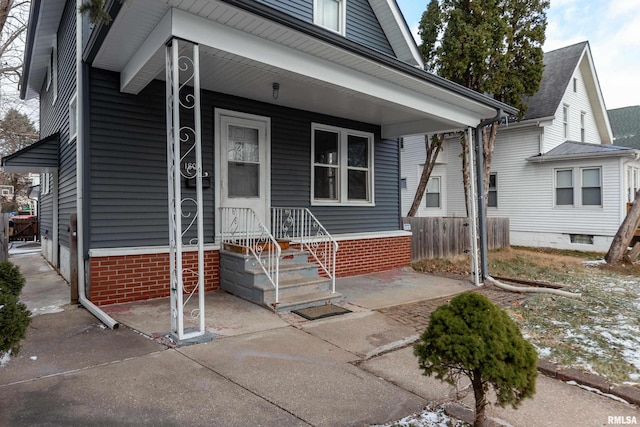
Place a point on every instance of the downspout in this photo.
(82, 96)
(482, 221)
(482, 212)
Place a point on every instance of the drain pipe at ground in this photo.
(482, 219)
(531, 289)
(80, 108)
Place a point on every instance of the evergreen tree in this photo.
(473, 337)
(491, 46)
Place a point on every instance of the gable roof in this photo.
(625, 123)
(559, 66)
(570, 150)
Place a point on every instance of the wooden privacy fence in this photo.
(437, 237)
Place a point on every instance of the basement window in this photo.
(581, 239)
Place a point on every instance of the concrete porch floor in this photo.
(227, 315)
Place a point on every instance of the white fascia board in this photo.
(390, 7)
(208, 33)
(587, 156)
(597, 104)
(418, 127)
(131, 73)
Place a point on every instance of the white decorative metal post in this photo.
(184, 148)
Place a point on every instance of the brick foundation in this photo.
(364, 256)
(127, 278)
(118, 279)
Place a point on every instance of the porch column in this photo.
(184, 164)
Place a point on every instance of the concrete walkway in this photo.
(261, 368)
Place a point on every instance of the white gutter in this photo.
(82, 297)
(584, 156)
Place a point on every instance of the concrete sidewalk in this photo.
(261, 369)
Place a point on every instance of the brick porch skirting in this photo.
(126, 278)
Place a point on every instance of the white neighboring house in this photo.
(554, 174)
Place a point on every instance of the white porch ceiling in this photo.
(243, 54)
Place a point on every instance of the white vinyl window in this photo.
(432, 194)
(342, 166)
(564, 187)
(45, 187)
(73, 118)
(583, 133)
(52, 70)
(330, 14)
(591, 187)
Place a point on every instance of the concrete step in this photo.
(297, 287)
(312, 299)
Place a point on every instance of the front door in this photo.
(244, 162)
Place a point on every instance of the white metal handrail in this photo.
(299, 225)
(241, 227)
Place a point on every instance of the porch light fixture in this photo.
(276, 90)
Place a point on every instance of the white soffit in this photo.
(273, 50)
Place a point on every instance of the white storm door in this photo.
(244, 165)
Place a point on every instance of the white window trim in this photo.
(565, 121)
(439, 207)
(496, 190)
(555, 188)
(46, 184)
(52, 79)
(582, 169)
(73, 118)
(343, 134)
(342, 21)
(583, 126)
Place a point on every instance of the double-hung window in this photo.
(432, 194)
(564, 187)
(591, 187)
(493, 191)
(342, 166)
(583, 132)
(330, 14)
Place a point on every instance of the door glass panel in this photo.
(243, 157)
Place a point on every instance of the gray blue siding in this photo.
(54, 117)
(128, 201)
(362, 24)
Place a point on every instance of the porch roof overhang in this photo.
(40, 157)
(246, 46)
(572, 150)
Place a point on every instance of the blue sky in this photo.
(611, 27)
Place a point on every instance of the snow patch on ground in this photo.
(427, 418)
(4, 359)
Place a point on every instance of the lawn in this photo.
(599, 333)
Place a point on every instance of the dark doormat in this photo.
(320, 312)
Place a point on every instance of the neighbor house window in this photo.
(342, 166)
(45, 187)
(591, 187)
(73, 118)
(564, 187)
(493, 191)
(432, 194)
(565, 121)
(403, 183)
(575, 84)
(330, 14)
(583, 116)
